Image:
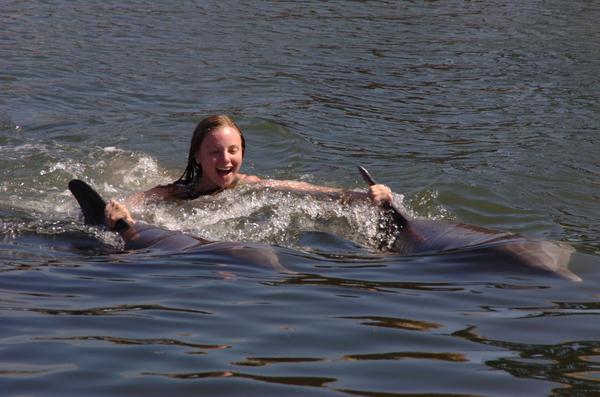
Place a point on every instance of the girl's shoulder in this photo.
(172, 191)
(244, 178)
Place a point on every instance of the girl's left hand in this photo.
(115, 211)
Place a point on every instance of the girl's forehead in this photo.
(222, 136)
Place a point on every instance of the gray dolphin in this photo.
(144, 236)
(415, 236)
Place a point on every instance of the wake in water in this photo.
(252, 213)
(40, 201)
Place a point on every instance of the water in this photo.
(484, 112)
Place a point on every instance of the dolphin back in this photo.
(505, 248)
(135, 236)
(143, 236)
(140, 236)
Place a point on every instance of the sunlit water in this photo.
(483, 112)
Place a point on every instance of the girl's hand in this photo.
(115, 211)
(380, 194)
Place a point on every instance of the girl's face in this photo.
(220, 156)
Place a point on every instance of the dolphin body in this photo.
(144, 236)
(416, 236)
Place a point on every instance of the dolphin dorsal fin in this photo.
(92, 205)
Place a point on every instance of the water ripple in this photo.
(136, 341)
(103, 311)
(286, 380)
(398, 323)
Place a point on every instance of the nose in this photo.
(224, 157)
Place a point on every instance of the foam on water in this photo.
(36, 189)
(258, 214)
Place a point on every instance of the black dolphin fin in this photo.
(92, 205)
(398, 216)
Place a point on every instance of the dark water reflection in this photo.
(361, 329)
(486, 112)
(566, 363)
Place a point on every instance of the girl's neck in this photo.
(204, 187)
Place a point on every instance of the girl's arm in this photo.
(377, 193)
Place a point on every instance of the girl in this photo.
(214, 161)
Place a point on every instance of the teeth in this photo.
(224, 168)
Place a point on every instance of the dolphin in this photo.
(144, 236)
(419, 236)
(411, 236)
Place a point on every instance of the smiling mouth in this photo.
(224, 171)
